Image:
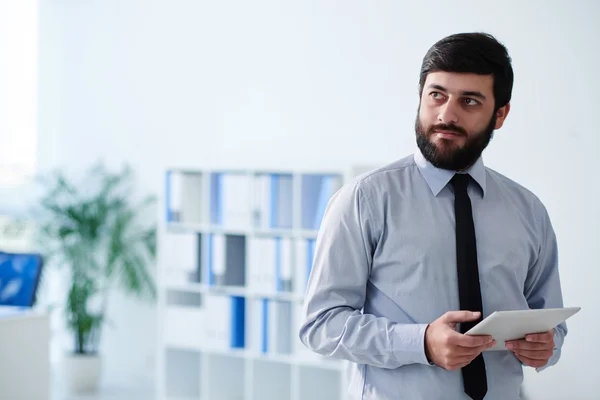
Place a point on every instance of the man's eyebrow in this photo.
(437, 87)
(470, 93)
(474, 94)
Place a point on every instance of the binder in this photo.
(284, 254)
(223, 329)
(316, 192)
(173, 188)
(262, 264)
(310, 188)
(237, 338)
(183, 200)
(272, 201)
(270, 264)
(281, 201)
(261, 207)
(304, 254)
(215, 198)
(229, 196)
(226, 259)
(274, 328)
(180, 252)
(325, 192)
(219, 259)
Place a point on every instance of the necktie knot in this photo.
(460, 182)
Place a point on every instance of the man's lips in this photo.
(449, 134)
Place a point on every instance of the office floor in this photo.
(106, 391)
(102, 397)
(106, 395)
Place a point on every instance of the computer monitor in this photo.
(19, 278)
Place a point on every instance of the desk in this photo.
(24, 354)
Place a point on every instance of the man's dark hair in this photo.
(478, 53)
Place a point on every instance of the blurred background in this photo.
(122, 122)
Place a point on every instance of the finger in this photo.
(452, 317)
(473, 351)
(471, 341)
(464, 351)
(523, 345)
(540, 337)
(467, 351)
(516, 341)
(535, 354)
(530, 362)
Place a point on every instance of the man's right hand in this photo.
(449, 349)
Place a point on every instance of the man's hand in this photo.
(535, 350)
(449, 349)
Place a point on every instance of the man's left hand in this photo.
(535, 350)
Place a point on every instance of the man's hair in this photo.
(478, 53)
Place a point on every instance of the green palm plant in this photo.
(95, 229)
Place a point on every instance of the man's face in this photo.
(456, 118)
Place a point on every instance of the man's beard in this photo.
(445, 155)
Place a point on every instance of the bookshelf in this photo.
(234, 252)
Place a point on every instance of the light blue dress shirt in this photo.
(385, 267)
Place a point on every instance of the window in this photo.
(18, 90)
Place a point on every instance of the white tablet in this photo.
(516, 324)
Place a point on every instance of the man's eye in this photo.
(435, 95)
(471, 102)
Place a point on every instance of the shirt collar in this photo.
(438, 178)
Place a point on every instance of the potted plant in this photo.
(95, 229)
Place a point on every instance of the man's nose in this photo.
(448, 113)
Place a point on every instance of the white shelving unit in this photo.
(234, 254)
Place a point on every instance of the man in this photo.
(410, 252)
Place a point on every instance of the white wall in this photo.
(324, 84)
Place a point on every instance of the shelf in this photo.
(325, 364)
(319, 385)
(194, 320)
(271, 380)
(225, 377)
(178, 227)
(231, 291)
(182, 398)
(182, 370)
(236, 250)
(182, 227)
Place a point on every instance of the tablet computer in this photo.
(516, 324)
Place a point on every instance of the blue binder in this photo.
(238, 322)
(210, 276)
(265, 326)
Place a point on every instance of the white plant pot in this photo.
(81, 372)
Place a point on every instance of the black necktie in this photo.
(474, 376)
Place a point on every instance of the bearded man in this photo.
(413, 254)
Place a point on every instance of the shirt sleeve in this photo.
(542, 286)
(333, 322)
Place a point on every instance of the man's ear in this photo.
(501, 115)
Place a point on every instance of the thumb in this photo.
(460, 316)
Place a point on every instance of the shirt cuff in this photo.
(408, 344)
